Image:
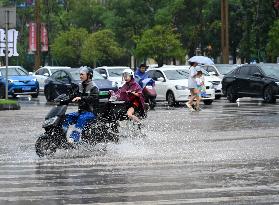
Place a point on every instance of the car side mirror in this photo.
(46, 74)
(258, 75)
(161, 79)
(212, 73)
(104, 75)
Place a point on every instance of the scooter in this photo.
(149, 92)
(103, 129)
(99, 130)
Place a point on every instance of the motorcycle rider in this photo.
(131, 93)
(86, 97)
(141, 74)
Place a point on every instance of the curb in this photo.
(10, 107)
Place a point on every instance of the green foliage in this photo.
(160, 43)
(101, 48)
(6, 102)
(198, 24)
(67, 47)
(273, 45)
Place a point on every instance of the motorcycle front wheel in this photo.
(45, 146)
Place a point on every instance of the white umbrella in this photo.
(201, 60)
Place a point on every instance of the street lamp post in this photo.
(225, 31)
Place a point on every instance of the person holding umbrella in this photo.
(192, 85)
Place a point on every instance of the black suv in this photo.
(252, 80)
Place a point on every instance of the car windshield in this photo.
(13, 71)
(116, 72)
(177, 74)
(96, 75)
(225, 68)
(271, 70)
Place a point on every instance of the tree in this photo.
(101, 48)
(273, 45)
(160, 43)
(67, 46)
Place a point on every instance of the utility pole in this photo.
(38, 34)
(225, 31)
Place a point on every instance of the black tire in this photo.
(48, 95)
(217, 97)
(230, 95)
(35, 95)
(2, 92)
(44, 146)
(268, 95)
(152, 102)
(208, 102)
(171, 99)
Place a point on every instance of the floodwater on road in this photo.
(225, 154)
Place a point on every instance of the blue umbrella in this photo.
(201, 60)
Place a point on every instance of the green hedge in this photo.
(5, 102)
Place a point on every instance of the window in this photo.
(56, 75)
(244, 70)
(254, 70)
(64, 77)
(158, 74)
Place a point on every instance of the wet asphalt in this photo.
(225, 154)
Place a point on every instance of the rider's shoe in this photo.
(74, 137)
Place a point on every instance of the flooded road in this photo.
(226, 154)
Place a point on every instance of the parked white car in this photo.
(44, 72)
(172, 85)
(112, 73)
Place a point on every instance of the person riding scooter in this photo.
(141, 74)
(131, 93)
(86, 97)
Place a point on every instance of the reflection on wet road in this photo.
(226, 154)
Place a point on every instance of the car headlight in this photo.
(11, 81)
(50, 121)
(211, 86)
(180, 87)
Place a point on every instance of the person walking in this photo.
(192, 85)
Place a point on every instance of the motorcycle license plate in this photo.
(149, 87)
(102, 93)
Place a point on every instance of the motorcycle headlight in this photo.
(50, 121)
(180, 87)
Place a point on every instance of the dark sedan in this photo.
(252, 80)
(65, 81)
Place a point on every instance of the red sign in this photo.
(32, 37)
(44, 38)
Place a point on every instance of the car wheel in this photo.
(230, 95)
(48, 95)
(268, 95)
(35, 95)
(171, 99)
(208, 102)
(217, 97)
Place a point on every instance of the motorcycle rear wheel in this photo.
(152, 102)
(45, 146)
